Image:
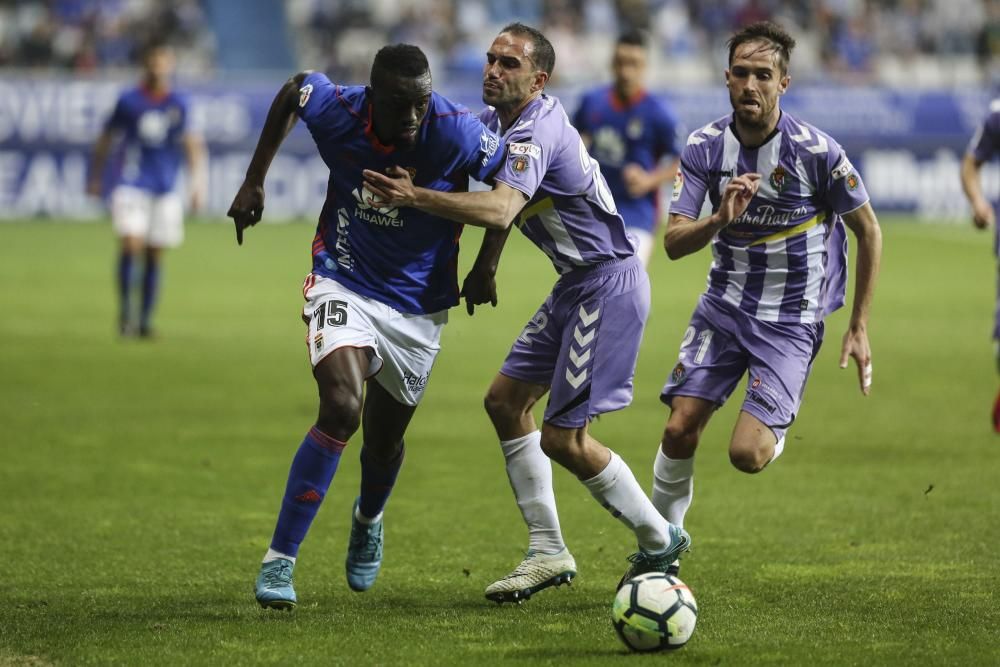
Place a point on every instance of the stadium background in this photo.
(139, 480)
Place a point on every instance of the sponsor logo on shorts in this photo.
(757, 398)
(679, 374)
(415, 383)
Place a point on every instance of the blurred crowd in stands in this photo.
(921, 43)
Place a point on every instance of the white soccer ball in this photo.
(654, 611)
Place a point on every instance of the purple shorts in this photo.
(584, 341)
(722, 343)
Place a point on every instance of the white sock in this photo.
(778, 448)
(530, 473)
(673, 486)
(363, 519)
(617, 490)
(275, 555)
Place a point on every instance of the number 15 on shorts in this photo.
(331, 313)
(704, 338)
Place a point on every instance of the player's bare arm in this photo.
(685, 236)
(639, 182)
(479, 286)
(101, 149)
(494, 209)
(248, 205)
(982, 213)
(863, 223)
(194, 154)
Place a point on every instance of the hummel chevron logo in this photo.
(805, 135)
(576, 380)
(588, 318)
(582, 340)
(579, 359)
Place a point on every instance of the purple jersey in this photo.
(570, 214)
(785, 258)
(984, 147)
(402, 257)
(153, 126)
(641, 131)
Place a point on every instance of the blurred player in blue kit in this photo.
(634, 137)
(985, 147)
(781, 193)
(152, 124)
(582, 344)
(382, 281)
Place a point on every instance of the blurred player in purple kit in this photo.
(581, 345)
(984, 147)
(152, 123)
(382, 281)
(781, 191)
(634, 137)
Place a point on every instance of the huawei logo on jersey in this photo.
(383, 216)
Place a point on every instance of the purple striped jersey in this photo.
(571, 215)
(785, 258)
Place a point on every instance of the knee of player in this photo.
(499, 408)
(680, 438)
(554, 445)
(341, 406)
(747, 457)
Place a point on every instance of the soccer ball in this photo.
(654, 611)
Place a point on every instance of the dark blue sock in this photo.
(126, 264)
(312, 471)
(150, 288)
(377, 480)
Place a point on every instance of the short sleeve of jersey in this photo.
(844, 190)
(985, 143)
(525, 161)
(118, 119)
(669, 135)
(580, 116)
(317, 99)
(481, 154)
(691, 182)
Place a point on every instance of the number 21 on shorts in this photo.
(704, 338)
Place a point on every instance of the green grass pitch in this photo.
(139, 481)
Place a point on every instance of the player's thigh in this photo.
(385, 419)
(532, 357)
(409, 345)
(166, 225)
(513, 395)
(781, 358)
(603, 320)
(131, 212)
(711, 359)
(688, 418)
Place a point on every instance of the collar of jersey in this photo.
(618, 105)
(370, 134)
(155, 98)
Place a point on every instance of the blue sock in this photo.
(312, 471)
(150, 288)
(377, 480)
(126, 263)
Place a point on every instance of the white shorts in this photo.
(402, 347)
(643, 243)
(157, 219)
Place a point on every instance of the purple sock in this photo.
(150, 289)
(126, 263)
(312, 471)
(377, 480)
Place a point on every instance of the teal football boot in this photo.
(364, 552)
(643, 562)
(274, 585)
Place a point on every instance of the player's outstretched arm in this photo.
(982, 213)
(493, 209)
(480, 286)
(864, 224)
(685, 236)
(194, 154)
(248, 205)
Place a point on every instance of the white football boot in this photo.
(536, 572)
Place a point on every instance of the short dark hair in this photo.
(765, 31)
(542, 53)
(632, 37)
(403, 60)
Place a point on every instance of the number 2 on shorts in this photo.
(705, 338)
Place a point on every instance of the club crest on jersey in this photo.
(519, 164)
(678, 186)
(304, 93)
(778, 178)
(634, 128)
(852, 182)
